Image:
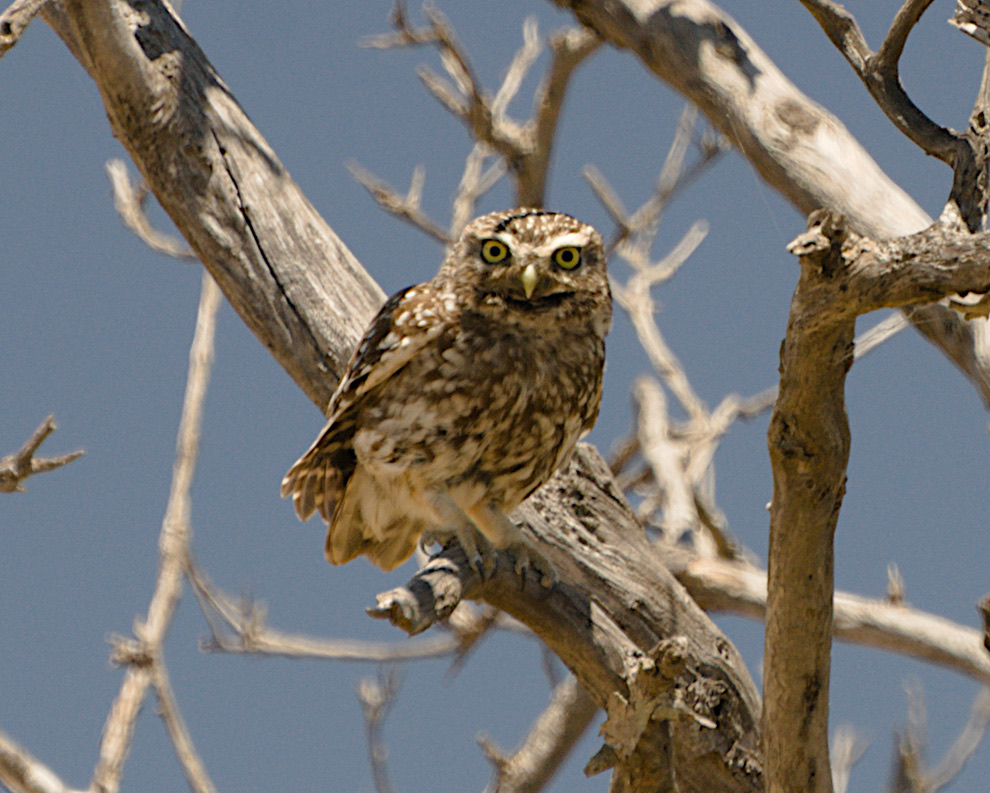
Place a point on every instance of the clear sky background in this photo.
(95, 329)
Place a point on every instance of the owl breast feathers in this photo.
(466, 393)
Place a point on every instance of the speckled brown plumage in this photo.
(465, 395)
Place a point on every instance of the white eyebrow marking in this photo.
(577, 239)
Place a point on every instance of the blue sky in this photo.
(95, 329)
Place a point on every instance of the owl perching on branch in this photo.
(465, 395)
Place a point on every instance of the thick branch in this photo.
(842, 276)
(283, 270)
(865, 275)
(809, 450)
(798, 147)
(615, 604)
(704, 54)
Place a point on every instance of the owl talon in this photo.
(476, 548)
(527, 558)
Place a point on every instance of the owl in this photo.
(465, 395)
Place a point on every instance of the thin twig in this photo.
(548, 743)
(129, 203)
(15, 468)
(185, 751)
(240, 629)
(377, 697)
(887, 328)
(476, 181)
(173, 548)
(635, 298)
(848, 747)
(965, 745)
(525, 147)
(22, 773)
(404, 207)
(519, 66)
(666, 458)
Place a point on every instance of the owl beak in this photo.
(529, 278)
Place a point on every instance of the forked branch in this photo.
(526, 147)
(16, 468)
(842, 276)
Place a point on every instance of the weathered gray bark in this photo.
(681, 705)
(306, 298)
(842, 275)
(284, 271)
(629, 632)
(740, 588)
(796, 145)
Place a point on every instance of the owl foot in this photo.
(479, 552)
(527, 559)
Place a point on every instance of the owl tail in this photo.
(315, 483)
(371, 519)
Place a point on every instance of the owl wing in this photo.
(408, 321)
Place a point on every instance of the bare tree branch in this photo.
(240, 628)
(965, 745)
(847, 749)
(526, 147)
(405, 207)
(224, 187)
(570, 48)
(22, 773)
(309, 301)
(973, 18)
(15, 468)
(220, 155)
(678, 454)
(841, 277)
(798, 147)
(129, 204)
(476, 181)
(809, 450)
(740, 588)
(173, 548)
(14, 21)
(168, 708)
(588, 532)
(377, 697)
(550, 740)
(879, 71)
(637, 232)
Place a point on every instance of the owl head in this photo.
(531, 263)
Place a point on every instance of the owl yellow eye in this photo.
(494, 251)
(568, 258)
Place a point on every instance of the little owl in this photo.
(465, 395)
